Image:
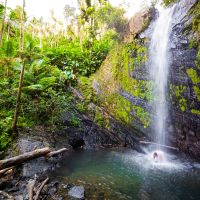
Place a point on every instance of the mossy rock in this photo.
(115, 76)
(169, 2)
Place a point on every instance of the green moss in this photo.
(142, 115)
(116, 75)
(132, 55)
(85, 86)
(88, 95)
(183, 104)
(193, 43)
(198, 55)
(122, 108)
(177, 90)
(193, 75)
(197, 61)
(176, 93)
(195, 28)
(197, 112)
(168, 2)
(195, 13)
(81, 107)
(89, 101)
(75, 121)
(101, 118)
(197, 92)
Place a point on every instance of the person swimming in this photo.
(155, 155)
(158, 156)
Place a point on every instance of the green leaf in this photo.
(48, 81)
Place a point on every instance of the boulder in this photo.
(36, 166)
(138, 23)
(77, 192)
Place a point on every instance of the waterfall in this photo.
(159, 66)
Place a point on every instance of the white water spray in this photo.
(159, 54)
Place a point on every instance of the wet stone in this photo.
(52, 191)
(77, 192)
(19, 197)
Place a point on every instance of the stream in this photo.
(127, 174)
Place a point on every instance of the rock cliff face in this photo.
(184, 80)
(124, 89)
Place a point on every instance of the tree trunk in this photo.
(23, 158)
(8, 32)
(29, 156)
(21, 46)
(3, 23)
(17, 108)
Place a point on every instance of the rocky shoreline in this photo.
(38, 170)
(87, 135)
(16, 182)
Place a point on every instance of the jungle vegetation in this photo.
(40, 61)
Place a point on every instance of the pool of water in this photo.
(127, 174)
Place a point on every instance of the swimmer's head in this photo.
(155, 155)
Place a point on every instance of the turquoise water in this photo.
(118, 175)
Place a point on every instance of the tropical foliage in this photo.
(40, 61)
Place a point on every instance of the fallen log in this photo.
(161, 145)
(46, 152)
(40, 188)
(23, 158)
(55, 153)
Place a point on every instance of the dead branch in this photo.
(6, 171)
(30, 187)
(40, 188)
(23, 158)
(7, 195)
(161, 145)
(55, 153)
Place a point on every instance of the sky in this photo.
(41, 8)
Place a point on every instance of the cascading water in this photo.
(159, 54)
